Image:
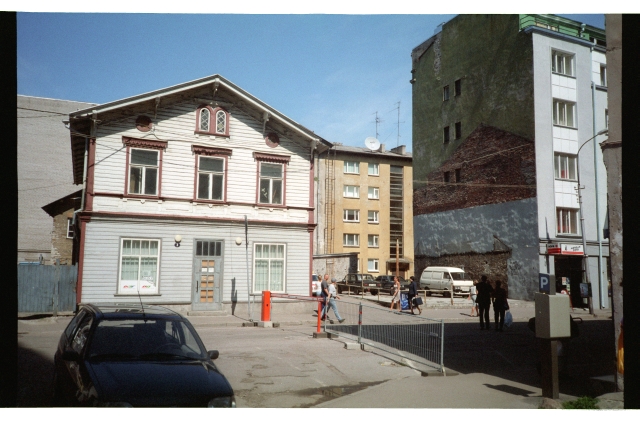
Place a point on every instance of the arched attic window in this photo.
(212, 121)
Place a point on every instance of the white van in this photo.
(440, 278)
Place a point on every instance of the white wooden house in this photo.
(169, 178)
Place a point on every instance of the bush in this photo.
(584, 402)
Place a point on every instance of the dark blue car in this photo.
(134, 355)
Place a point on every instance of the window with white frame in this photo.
(351, 191)
(351, 215)
(351, 167)
(374, 169)
(603, 75)
(562, 63)
(268, 267)
(372, 240)
(563, 113)
(221, 122)
(374, 193)
(139, 262)
(70, 228)
(565, 166)
(373, 217)
(210, 178)
(351, 240)
(143, 172)
(445, 93)
(567, 220)
(271, 183)
(373, 265)
(212, 121)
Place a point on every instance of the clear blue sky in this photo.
(330, 73)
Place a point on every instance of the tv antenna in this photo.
(372, 143)
(377, 121)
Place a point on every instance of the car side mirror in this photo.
(70, 355)
(213, 354)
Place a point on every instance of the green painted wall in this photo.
(495, 62)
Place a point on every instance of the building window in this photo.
(211, 172)
(567, 221)
(565, 167)
(446, 177)
(373, 217)
(139, 261)
(373, 265)
(143, 172)
(69, 228)
(351, 167)
(457, 89)
(374, 193)
(268, 267)
(351, 215)
(374, 169)
(563, 113)
(446, 134)
(351, 240)
(271, 183)
(445, 93)
(351, 191)
(562, 63)
(458, 130)
(372, 240)
(603, 75)
(212, 121)
(458, 175)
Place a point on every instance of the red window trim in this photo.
(267, 157)
(212, 121)
(213, 152)
(281, 159)
(143, 144)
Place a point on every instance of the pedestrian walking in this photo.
(396, 294)
(413, 293)
(333, 295)
(484, 302)
(324, 287)
(473, 296)
(500, 305)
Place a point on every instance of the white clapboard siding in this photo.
(102, 253)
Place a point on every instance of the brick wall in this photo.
(61, 246)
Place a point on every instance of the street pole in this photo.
(246, 254)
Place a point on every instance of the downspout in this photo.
(603, 299)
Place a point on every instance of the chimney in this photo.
(401, 150)
(381, 149)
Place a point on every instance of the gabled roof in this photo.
(63, 204)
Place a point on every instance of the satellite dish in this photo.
(372, 143)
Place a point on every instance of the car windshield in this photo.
(457, 276)
(367, 277)
(139, 339)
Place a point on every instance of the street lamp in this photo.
(585, 257)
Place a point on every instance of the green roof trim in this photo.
(563, 26)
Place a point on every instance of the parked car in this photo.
(439, 279)
(387, 283)
(135, 355)
(359, 283)
(315, 285)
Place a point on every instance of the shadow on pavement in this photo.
(35, 377)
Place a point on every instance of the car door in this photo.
(75, 381)
(436, 277)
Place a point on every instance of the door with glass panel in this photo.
(207, 262)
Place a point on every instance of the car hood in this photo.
(171, 383)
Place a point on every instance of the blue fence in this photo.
(46, 288)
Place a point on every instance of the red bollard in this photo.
(319, 312)
(266, 306)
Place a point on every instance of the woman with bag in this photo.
(396, 294)
(413, 295)
(500, 304)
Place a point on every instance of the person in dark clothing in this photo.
(324, 286)
(500, 305)
(484, 302)
(413, 292)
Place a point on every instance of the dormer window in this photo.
(212, 121)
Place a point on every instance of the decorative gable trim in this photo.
(266, 157)
(148, 144)
(210, 151)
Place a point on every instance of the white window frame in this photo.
(351, 167)
(271, 180)
(351, 215)
(567, 219)
(220, 113)
(69, 228)
(351, 191)
(564, 113)
(373, 217)
(562, 63)
(445, 93)
(351, 240)
(373, 169)
(211, 175)
(565, 167)
(373, 265)
(373, 240)
(373, 193)
(202, 127)
(146, 284)
(603, 75)
(144, 168)
(277, 258)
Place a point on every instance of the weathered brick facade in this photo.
(63, 246)
(490, 166)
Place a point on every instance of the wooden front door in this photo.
(208, 267)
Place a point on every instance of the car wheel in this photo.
(447, 293)
(374, 292)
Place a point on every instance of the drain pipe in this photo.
(603, 299)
